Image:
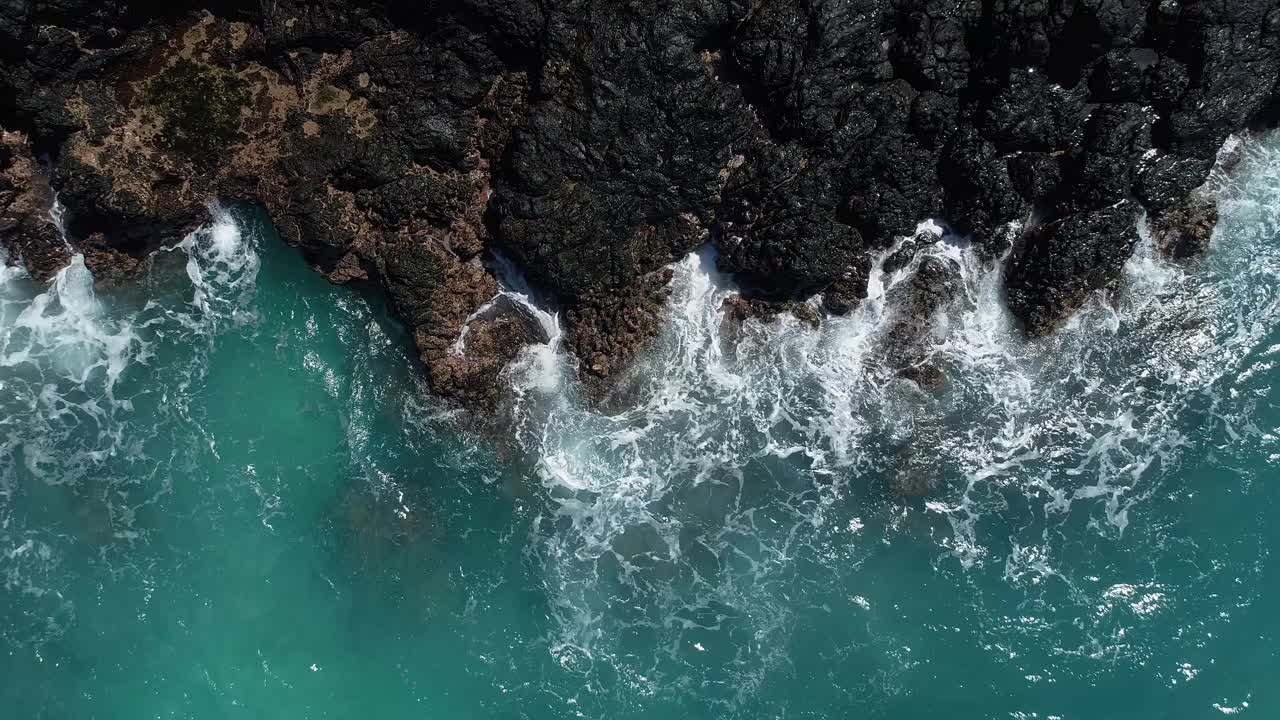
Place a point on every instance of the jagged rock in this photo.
(609, 334)
(26, 230)
(1036, 176)
(737, 310)
(619, 166)
(1027, 111)
(915, 304)
(493, 341)
(780, 230)
(351, 154)
(464, 346)
(593, 142)
(1183, 231)
(980, 197)
(1099, 173)
(1165, 179)
(1055, 267)
(109, 264)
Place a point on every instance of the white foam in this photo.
(223, 268)
(73, 362)
(58, 216)
(542, 367)
(64, 351)
(1072, 425)
(63, 329)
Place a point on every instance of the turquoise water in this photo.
(225, 493)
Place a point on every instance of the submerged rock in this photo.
(916, 468)
(387, 540)
(594, 142)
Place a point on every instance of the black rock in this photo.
(1056, 267)
(915, 304)
(593, 142)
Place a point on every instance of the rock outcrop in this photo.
(593, 142)
(1183, 231)
(27, 229)
(914, 305)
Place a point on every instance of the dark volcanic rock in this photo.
(915, 304)
(26, 229)
(781, 230)
(1183, 232)
(980, 195)
(622, 158)
(1056, 266)
(593, 142)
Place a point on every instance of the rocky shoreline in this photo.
(594, 142)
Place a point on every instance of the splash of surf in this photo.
(650, 506)
(64, 351)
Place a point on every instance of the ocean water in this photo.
(225, 493)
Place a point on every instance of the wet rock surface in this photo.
(1059, 264)
(26, 228)
(593, 142)
(1182, 232)
(916, 304)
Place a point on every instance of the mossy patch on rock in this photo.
(197, 107)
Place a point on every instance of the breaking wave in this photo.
(63, 415)
(775, 510)
(756, 454)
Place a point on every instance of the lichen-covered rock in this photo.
(376, 163)
(609, 334)
(465, 335)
